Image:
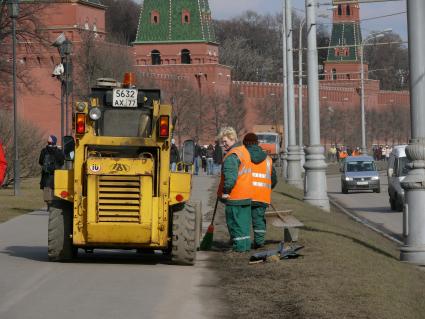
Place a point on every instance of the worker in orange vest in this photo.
(235, 191)
(264, 179)
(343, 155)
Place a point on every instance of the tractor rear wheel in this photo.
(60, 246)
(184, 244)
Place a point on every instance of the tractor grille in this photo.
(119, 199)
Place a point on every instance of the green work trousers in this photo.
(259, 223)
(238, 219)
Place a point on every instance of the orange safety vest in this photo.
(262, 181)
(242, 189)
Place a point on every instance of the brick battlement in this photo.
(256, 83)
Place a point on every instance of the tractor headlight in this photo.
(95, 113)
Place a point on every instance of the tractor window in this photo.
(125, 123)
(265, 138)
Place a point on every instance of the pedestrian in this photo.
(3, 165)
(383, 152)
(264, 179)
(235, 189)
(332, 152)
(217, 157)
(51, 158)
(209, 157)
(388, 151)
(204, 158)
(174, 155)
(197, 156)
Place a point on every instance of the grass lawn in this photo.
(30, 198)
(346, 271)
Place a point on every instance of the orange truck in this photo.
(270, 139)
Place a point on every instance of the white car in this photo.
(396, 172)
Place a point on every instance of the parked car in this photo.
(359, 173)
(396, 172)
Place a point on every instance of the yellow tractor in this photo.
(118, 191)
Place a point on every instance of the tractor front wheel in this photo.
(184, 235)
(60, 246)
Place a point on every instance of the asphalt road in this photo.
(372, 207)
(101, 285)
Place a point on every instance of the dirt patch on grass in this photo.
(30, 199)
(346, 271)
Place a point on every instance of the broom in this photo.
(207, 241)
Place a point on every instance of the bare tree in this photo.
(29, 31)
(247, 63)
(269, 109)
(29, 147)
(216, 103)
(96, 59)
(235, 112)
(260, 36)
(389, 62)
(122, 19)
(180, 94)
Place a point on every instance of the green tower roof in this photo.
(171, 21)
(345, 42)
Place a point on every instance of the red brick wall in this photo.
(201, 53)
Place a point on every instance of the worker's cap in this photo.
(52, 140)
(250, 139)
(173, 141)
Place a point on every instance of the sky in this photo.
(226, 9)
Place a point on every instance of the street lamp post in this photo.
(300, 94)
(294, 164)
(364, 147)
(67, 50)
(199, 79)
(315, 191)
(363, 115)
(13, 7)
(413, 250)
(284, 95)
(64, 47)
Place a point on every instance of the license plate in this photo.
(362, 183)
(124, 98)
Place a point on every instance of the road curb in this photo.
(364, 221)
